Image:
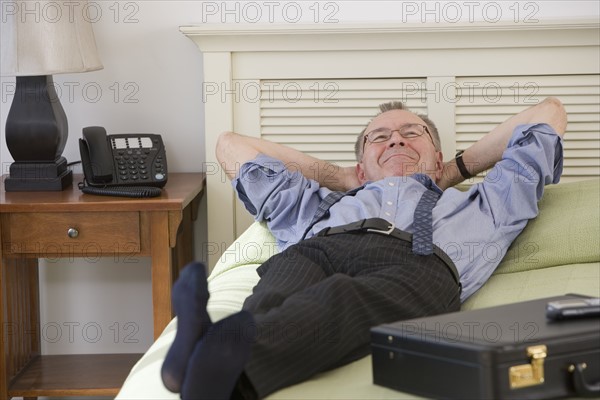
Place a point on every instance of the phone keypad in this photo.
(135, 165)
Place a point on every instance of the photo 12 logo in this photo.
(89, 332)
(471, 92)
(271, 91)
(252, 12)
(76, 332)
(72, 91)
(471, 331)
(469, 11)
(57, 11)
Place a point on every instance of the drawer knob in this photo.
(72, 233)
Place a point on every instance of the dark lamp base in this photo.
(38, 177)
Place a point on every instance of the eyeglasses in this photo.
(408, 131)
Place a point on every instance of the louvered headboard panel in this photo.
(314, 87)
(486, 101)
(323, 117)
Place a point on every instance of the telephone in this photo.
(131, 165)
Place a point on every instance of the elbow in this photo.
(232, 150)
(557, 115)
(223, 143)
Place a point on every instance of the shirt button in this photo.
(388, 214)
(391, 183)
(389, 203)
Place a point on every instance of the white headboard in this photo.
(315, 87)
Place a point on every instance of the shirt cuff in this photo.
(254, 179)
(548, 141)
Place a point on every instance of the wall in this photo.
(151, 82)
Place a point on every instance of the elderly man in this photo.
(396, 246)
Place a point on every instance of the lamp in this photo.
(41, 38)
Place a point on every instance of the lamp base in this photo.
(38, 177)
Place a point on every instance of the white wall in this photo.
(151, 82)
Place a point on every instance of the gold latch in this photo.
(529, 374)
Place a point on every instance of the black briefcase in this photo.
(505, 352)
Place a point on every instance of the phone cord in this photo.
(122, 191)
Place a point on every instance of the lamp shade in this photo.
(47, 37)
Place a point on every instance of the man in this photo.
(413, 249)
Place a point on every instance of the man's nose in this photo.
(396, 139)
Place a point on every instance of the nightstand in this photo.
(69, 224)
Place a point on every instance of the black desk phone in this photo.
(130, 165)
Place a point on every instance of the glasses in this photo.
(408, 131)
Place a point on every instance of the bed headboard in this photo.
(315, 87)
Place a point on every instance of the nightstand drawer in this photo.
(87, 234)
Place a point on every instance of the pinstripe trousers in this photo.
(316, 302)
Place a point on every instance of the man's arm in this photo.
(234, 149)
(487, 151)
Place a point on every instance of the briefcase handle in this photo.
(582, 388)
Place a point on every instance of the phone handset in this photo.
(96, 157)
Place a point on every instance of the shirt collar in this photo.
(426, 181)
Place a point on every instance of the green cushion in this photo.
(566, 231)
(253, 247)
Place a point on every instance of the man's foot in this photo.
(190, 296)
(219, 358)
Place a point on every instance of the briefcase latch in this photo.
(529, 374)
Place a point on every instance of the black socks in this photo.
(190, 296)
(205, 361)
(219, 358)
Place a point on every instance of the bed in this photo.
(313, 87)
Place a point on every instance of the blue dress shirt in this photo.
(474, 227)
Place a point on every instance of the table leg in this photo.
(183, 252)
(172, 247)
(19, 317)
(162, 271)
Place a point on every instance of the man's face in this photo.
(398, 156)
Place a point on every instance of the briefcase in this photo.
(506, 352)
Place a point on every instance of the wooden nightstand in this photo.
(71, 224)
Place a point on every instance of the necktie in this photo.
(422, 242)
(325, 205)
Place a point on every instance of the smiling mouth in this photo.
(398, 155)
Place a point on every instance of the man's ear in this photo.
(360, 173)
(439, 165)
